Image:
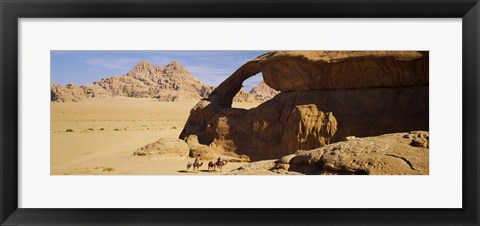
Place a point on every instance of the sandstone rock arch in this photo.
(325, 96)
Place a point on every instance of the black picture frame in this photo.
(12, 10)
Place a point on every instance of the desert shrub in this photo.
(109, 169)
(69, 130)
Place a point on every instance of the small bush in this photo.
(102, 129)
(108, 169)
(69, 130)
(117, 130)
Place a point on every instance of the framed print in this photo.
(224, 112)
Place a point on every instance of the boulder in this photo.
(388, 154)
(385, 154)
(419, 138)
(285, 159)
(165, 147)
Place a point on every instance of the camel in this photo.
(220, 164)
(189, 164)
(196, 165)
(211, 166)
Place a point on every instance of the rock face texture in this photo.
(265, 167)
(392, 154)
(67, 93)
(206, 152)
(326, 97)
(322, 70)
(169, 83)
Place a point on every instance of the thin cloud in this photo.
(208, 74)
(115, 64)
(159, 61)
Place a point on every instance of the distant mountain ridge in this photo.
(263, 92)
(168, 83)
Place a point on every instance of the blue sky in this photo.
(84, 67)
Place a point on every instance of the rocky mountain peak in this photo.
(175, 68)
(171, 82)
(174, 64)
(263, 89)
(144, 66)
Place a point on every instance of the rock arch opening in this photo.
(223, 95)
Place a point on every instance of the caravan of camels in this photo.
(212, 166)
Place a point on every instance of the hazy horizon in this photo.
(87, 66)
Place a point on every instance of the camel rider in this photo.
(196, 162)
(219, 160)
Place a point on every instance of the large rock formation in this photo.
(325, 97)
(67, 93)
(171, 82)
(396, 154)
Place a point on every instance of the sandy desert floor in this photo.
(99, 136)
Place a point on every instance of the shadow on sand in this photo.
(203, 171)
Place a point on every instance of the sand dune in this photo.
(98, 136)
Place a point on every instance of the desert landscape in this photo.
(104, 132)
(314, 113)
